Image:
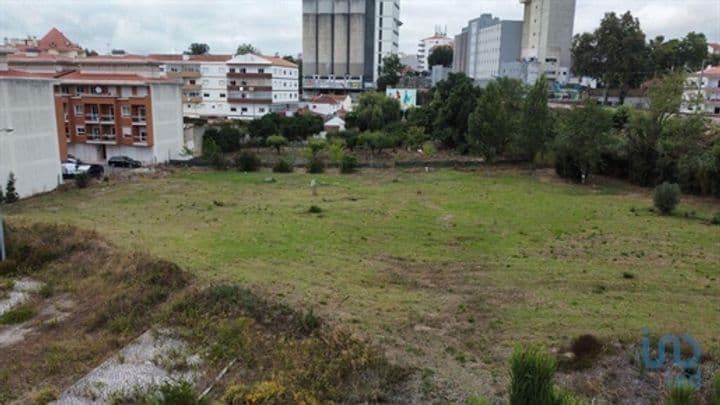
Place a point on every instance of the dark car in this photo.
(124, 161)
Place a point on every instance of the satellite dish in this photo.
(98, 90)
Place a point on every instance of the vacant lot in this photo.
(447, 270)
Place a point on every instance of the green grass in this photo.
(527, 260)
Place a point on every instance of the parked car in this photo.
(71, 168)
(124, 161)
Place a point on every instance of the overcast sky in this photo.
(144, 26)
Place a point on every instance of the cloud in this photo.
(275, 25)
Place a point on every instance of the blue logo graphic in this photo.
(690, 367)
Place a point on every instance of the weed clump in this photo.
(314, 209)
(283, 166)
(531, 374)
(45, 396)
(17, 315)
(715, 219)
(316, 165)
(348, 164)
(682, 392)
(247, 161)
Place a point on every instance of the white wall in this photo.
(31, 151)
(167, 122)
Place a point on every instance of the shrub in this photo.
(348, 164)
(266, 392)
(682, 392)
(11, 194)
(213, 154)
(283, 166)
(336, 150)
(716, 219)
(315, 209)
(247, 161)
(82, 180)
(316, 165)
(586, 346)
(531, 374)
(2, 195)
(667, 197)
(45, 396)
(277, 142)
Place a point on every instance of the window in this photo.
(262, 110)
(233, 109)
(206, 95)
(232, 70)
(222, 95)
(80, 131)
(261, 70)
(192, 82)
(244, 109)
(79, 109)
(125, 111)
(80, 89)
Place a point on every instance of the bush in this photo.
(283, 166)
(316, 165)
(348, 164)
(213, 154)
(429, 149)
(11, 194)
(82, 180)
(682, 392)
(531, 374)
(667, 197)
(267, 392)
(315, 210)
(247, 162)
(17, 315)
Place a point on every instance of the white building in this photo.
(327, 104)
(426, 47)
(547, 35)
(490, 43)
(387, 33)
(702, 92)
(29, 145)
(259, 85)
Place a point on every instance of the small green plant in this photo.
(667, 197)
(213, 154)
(11, 195)
(429, 149)
(247, 161)
(283, 166)
(682, 392)
(45, 396)
(310, 321)
(336, 150)
(46, 291)
(477, 400)
(19, 314)
(348, 164)
(82, 180)
(277, 142)
(315, 210)
(531, 375)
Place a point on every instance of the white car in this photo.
(72, 167)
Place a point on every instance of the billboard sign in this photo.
(406, 97)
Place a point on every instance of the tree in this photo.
(678, 54)
(374, 112)
(584, 134)
(536, 125)
(2, 195)
(11, 194)
(277, 142)
(198, 49)
(453, 100)
(246, 48)
(615, 54)
(496, 120)
(390, 72)
(441, 55)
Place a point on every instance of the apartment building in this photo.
(488, 44)
(702, 92)
(427, 45)
(257, 85)
(29, 146)
(460, 57)
(104, 115)
(345, 42)
(53, 43)
(547, 35)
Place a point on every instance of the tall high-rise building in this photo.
(547, 34)
(345, 41)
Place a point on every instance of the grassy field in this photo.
(446, 270)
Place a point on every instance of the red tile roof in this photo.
(712, 71)
(25, 75)
(279, 61)
(328, 99)
(74, 76)
(55, 39)
(715, 46)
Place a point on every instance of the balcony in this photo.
(102, 138)
(192, 87)
(240, 75)
(193, 99)
(139, 120)
(239, 100)
(186, 74)
(250, 88)
(90, 118)
(108, 118)
(140, 140)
